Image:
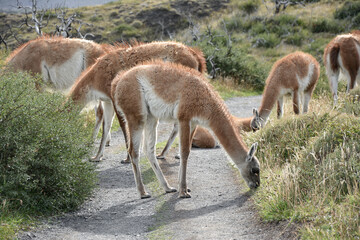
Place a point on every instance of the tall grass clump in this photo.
(43, 144)
(348, 10)
(312, 173)
(351, 103)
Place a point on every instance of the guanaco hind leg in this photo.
(169, 142)
(124, 130)
(135, 133)
(107, 122)
(99, 114)
(150, 141)
(99, 111)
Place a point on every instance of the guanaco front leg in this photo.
(107, 122)
(150, 138)
(186, 134)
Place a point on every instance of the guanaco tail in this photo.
(168, 91)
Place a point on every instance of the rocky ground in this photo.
(220, 207)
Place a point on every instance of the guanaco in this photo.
(343, 54)
(59, 61)
(204, 139)
(296, 73)
(168, 91)
(95, 82)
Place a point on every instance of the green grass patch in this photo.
(311, 172)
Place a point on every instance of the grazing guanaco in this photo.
(204, 139)
(168, 91)
(95, 82)
(296, 73)
(343, 54)
(59, 61)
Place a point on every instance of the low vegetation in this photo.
(312, 175)
(42, 167)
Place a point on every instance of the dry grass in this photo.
(310, 168)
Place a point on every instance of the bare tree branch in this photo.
(35, 15)
(285, 3)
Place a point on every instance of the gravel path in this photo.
(220, 207)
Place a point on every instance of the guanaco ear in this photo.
(255, 112)
(252, 151)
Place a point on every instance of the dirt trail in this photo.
(220, 207)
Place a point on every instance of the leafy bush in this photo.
(42, 146)
(324, 25)
(237, 64)
(295, 39)
(249, 6)
(266, 40)
(349, 9)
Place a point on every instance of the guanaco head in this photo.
(251, 169)
(256, 123)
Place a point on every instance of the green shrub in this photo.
(42, 146)
(249, 6)
(357, 19)
(237, 64)
(127, 30)
(295, 39)
(286, 19)
(266, 40)
(96, 18)
(325, 25)
(349, 9)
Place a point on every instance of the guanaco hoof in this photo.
(185, 195)
(125, 161)
(96, 159)
(146, 195)
(170, 190)
(160, 157)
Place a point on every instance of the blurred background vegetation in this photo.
(311, 176)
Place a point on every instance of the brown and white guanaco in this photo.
(342, 54)
(59, 61)
(95, 82)
(167, 91)
(296, 73)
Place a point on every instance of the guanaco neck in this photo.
(224, 129)
(242, 123)
(270, 96)
(81, 87)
